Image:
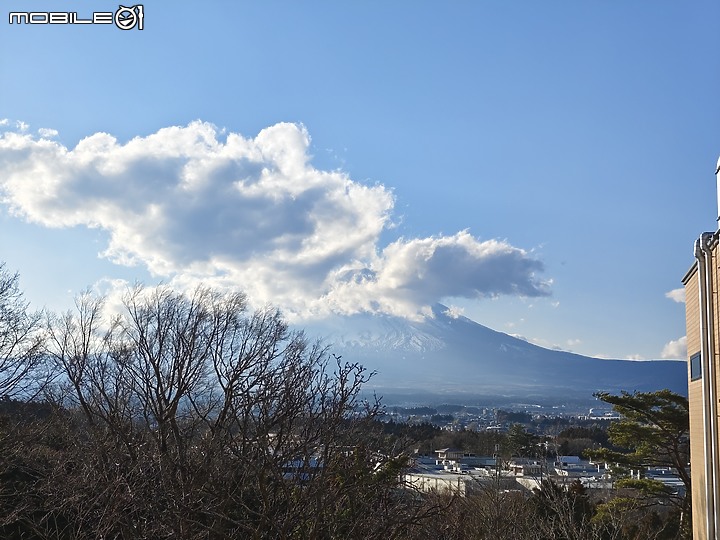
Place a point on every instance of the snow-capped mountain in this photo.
(446, 354)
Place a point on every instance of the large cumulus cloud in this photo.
(196, 204)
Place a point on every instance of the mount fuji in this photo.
(445, 355)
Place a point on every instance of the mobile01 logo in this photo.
(124, 18)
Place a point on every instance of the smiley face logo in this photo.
(127, 18)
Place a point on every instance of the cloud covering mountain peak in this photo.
(197, 204)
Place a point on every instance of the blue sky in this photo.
(544, 167)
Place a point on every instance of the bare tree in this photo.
(189, 416)
(22, 371)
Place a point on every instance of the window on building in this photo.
(695, 367)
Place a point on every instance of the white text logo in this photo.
(125, 18)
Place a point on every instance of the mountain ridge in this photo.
(445, 353)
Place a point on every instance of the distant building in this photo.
(564, 461)
(573, 466)
(526, 467)
(449, 453)
(702, 310)
(438, 483)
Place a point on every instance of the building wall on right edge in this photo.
(695, 398)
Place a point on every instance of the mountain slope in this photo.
(446, 354)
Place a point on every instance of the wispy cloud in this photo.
(676, 295)
(569, 344)
(195, 204)
(573, 342)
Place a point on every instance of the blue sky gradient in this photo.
(574, 141)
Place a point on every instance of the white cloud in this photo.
(454, 312)
(676, 295)
(419, 272)
(675, 349)
(195, 204)
(47, 133)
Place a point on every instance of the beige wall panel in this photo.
(692, 315)
(697, 460)
(695, 398)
